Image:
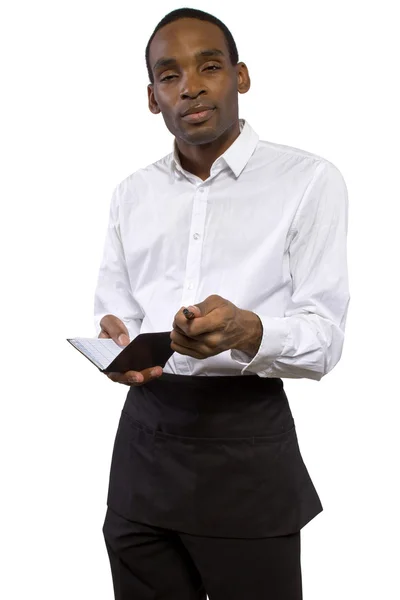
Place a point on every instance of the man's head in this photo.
(190, 79)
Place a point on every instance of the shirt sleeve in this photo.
(113, 290)
(307, 341)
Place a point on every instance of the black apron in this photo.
(213, 456)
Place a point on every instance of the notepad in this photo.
(144, 351)
(100, 351)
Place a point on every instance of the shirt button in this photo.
(196, 236)
(190, 286)
(201, 190)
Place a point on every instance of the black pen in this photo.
(188, 314)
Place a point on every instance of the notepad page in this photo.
(101, 351)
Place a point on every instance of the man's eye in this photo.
(168, 77)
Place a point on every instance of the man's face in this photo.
(192, 80)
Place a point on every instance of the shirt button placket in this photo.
(193, 263)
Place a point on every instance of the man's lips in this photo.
(199, 117)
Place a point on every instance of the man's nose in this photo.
(191, 86)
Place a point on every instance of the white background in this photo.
(74, 123)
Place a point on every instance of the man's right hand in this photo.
(113, 328)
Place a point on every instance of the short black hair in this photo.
(193, 13)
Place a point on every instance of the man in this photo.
(208, 491)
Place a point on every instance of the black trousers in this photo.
(203, 466)
(149, 563)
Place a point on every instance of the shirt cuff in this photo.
(275, 334)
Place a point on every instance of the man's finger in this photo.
(116, 329)
(198, 326)
(136, 377)
(113, 376)
(123, 339)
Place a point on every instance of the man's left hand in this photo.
(218, 326)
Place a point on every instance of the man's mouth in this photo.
(199, 117)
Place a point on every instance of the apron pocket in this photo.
(255, 486)
(131, 482)
(240, 482)
(244, 487)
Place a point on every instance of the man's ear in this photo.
(153, 106)
(243, 78)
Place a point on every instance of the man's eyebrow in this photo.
(166, 62)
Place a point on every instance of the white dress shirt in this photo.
(267, 230)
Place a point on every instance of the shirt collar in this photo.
(235, 157)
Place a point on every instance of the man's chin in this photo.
(199, 135)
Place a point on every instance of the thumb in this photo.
(116, 329)
(123, 339)
(195, 309)
(202, 309)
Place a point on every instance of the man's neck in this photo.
(199, 159)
